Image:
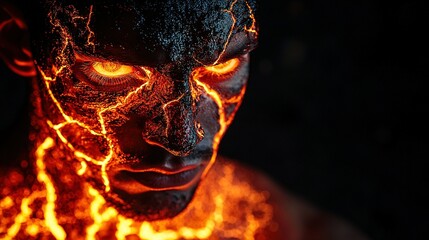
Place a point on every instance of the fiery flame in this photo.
(36, 211)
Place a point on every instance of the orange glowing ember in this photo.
(225, 67)
(111, 69)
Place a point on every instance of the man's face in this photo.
(139, 95)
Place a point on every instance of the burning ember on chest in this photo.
(223, 207)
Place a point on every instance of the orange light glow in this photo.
(111, 69)
(225, 67)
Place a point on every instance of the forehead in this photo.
(155, 32)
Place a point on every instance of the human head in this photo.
(138, 94)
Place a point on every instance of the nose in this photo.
(180, 132)
(177, 129)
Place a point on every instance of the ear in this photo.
(14, 42)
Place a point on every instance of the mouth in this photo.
(157, 171)
(136, 181)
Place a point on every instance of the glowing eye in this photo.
(225, 67)
(111, 69)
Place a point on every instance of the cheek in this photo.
(89, 121)
(231, 93)
(73, 120)
(63, 102)
(218, 102)
(84, 143)
(207, 115)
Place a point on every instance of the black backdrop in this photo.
(334, 110)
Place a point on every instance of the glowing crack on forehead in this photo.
(251, 29)
(229, 10)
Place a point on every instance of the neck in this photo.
(67, 206)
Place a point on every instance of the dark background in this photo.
(335, 107)
(334, 111)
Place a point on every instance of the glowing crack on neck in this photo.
(51, 197)
(222, 192)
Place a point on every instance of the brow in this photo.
(239, 44)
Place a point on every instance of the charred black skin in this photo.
(173, 37)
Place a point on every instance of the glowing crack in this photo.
(229, 10)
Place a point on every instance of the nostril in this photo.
(200, 131)
(177, 132)
(175, 149)
(180, 138)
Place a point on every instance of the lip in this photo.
(156, 179)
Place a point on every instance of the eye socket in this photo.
(225, 67)
(110, 76)
(111, 69)
(218, 72)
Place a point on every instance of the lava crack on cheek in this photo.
(95, 146)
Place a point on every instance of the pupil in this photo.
(110, 66)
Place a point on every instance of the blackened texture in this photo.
(146, 32)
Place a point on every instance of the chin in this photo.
(151, 205)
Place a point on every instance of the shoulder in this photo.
(292, 218)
